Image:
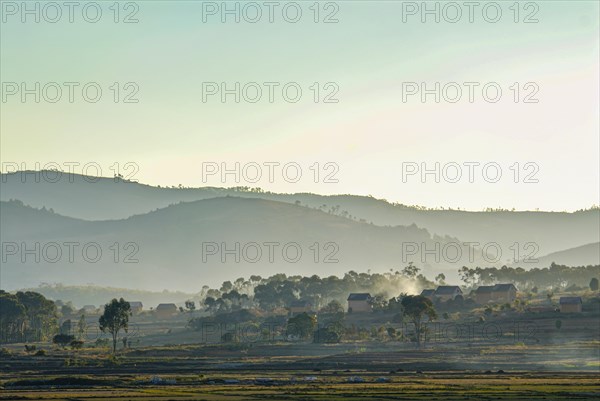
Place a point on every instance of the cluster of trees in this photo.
(228, 302)
(326, 326)
(29, 316)
(67, 339)
(279, 291)
(26, 316)
(114, 319)
(555, 276)
(415, 309)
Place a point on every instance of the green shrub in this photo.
(326, 335)
(30, 348)
(63, 339)
(229, 338)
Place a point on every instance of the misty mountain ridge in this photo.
(98, 198)
(181, 238)
(166, 247)
(579, 256)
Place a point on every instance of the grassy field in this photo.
(307, 372)
(328, 386)
(550, 364)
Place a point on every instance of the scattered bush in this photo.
(392, 333)
(326, 335)
(63, 339)
(573, 288)
(30, 348)
(229, 338)
(59, 381)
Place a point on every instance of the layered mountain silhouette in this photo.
(192, 243)
(97, 198)
(584, 255)
(164, 229)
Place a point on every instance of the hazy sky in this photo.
(368, 56)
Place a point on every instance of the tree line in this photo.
(553, 277)
(280, 290)
(26, 316)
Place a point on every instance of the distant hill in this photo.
(168, 245)
(93, 295)
(580, 256)
(93, 198)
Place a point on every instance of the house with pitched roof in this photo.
(164, 311)
(570, 304)
(359, 302)
(501, 293)
(136, 307)
(504, 293)
(483, 294)
(446, 292)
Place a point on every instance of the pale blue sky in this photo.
(369, 53)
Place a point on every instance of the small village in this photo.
(362, 318)
(362, 302)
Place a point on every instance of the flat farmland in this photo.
(375, 371)
(544, 363)
(293, 386)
